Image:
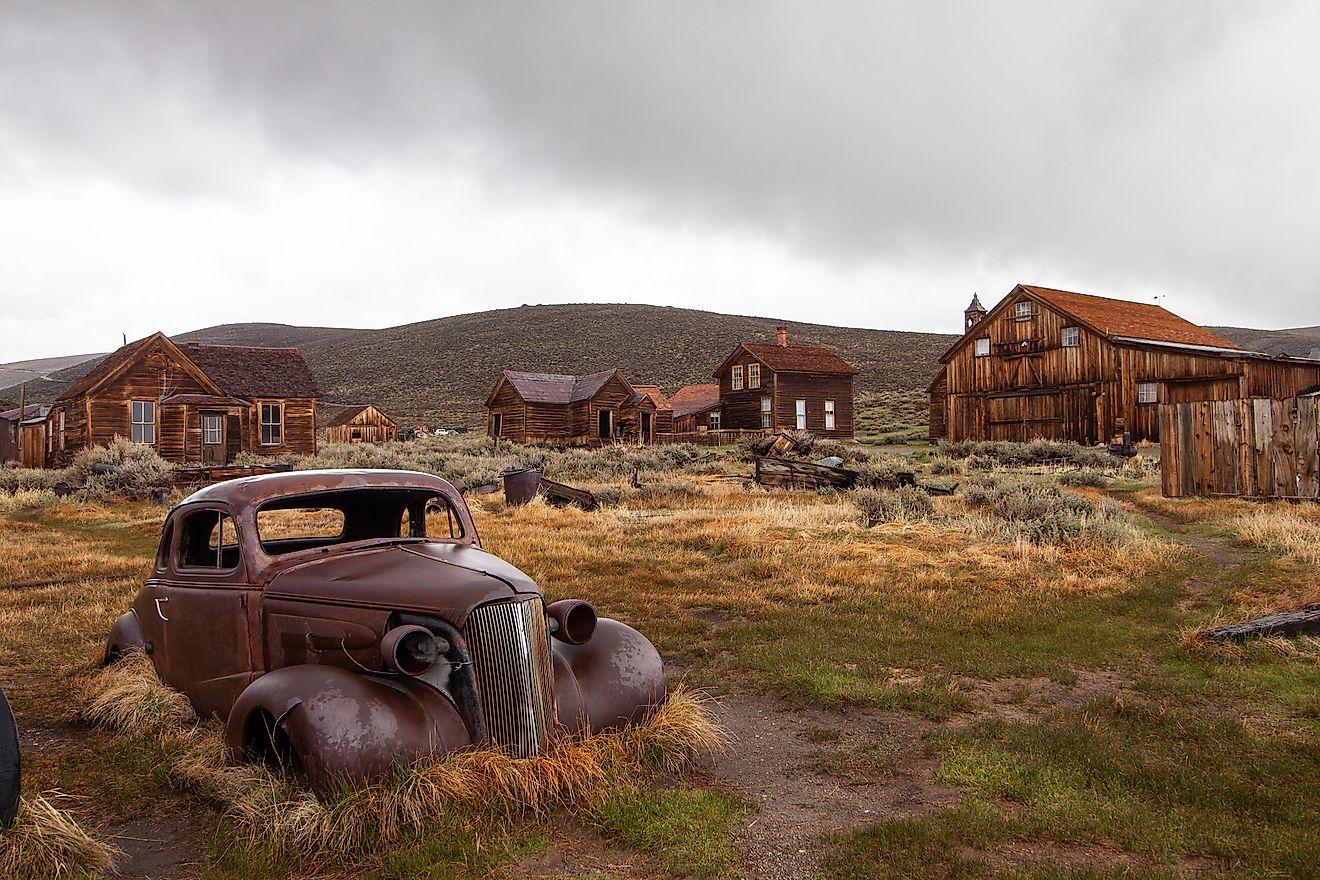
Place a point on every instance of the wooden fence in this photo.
(713, 438)
(1254, 447)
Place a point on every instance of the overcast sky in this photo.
(176, 165)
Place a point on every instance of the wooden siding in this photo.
(512, 412)
(939, 395)
(583, 414)
(741, 410)
(1257, 447)
(1087, 392)
(368, 426)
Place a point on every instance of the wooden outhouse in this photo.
(23, 435)
(1059, 365)
(361, 424)
(783, 386)
(196, 404)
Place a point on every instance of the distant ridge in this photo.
(1297, 342)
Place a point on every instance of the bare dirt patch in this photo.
(775, 763)
(574, 851)
(1025, 699)
(157, 848)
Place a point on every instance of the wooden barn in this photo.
(769, 387)
(1070, 366)
(196, 404)
(561, 410)
(696, 408)
(361, 424)
(23, 439)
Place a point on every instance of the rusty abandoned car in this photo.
(346, 622)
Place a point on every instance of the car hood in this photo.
(447, 580)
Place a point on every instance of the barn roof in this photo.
(556, 387)
(1132, 320)
(249, 371)
(694, 399)
(794, 359)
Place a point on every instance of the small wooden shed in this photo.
(361, 424)
(696, 408)
(22, 440)
(1254, 447)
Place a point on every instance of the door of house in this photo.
(801, 415)
(646, 427)
(605, 424)
(213, 438)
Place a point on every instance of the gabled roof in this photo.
(349, 413)
(30, 411)
(1118, 319)
(249, 371)
(120, 360)
(554, 387)
(694, 399)
(657, 396)
(793, 359)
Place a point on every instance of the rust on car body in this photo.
(350, 621)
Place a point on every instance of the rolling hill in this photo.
(440, 371)
(1297, 342)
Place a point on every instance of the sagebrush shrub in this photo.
(905, 504)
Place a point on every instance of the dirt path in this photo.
(1224, 557)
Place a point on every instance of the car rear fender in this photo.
(342, 727)
(126, 635)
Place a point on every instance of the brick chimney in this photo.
(783, 337)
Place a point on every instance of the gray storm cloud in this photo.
(1169, 143)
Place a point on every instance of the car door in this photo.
(201, 605)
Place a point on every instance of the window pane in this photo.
(765, 404)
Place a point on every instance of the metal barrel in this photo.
(520, 486)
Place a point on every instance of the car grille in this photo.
(510, 646)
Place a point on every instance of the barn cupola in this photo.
(782, 337)
(974, 313)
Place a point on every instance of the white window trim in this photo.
(800, 413)
(753, 375)
(737, 377)
(1154, 396)
(1027, 315)
(713, 421)
(62, 429)
(829, 415)
(133, 423)
(1076, 337)
(219, 430)
(976, 346)
(262, 423)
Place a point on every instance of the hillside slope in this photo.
(40, 369)
(441, 371)
(1297, 342)
(265, 335)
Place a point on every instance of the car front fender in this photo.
(615, 678)
(343, 727)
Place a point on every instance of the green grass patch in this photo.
(687, 830)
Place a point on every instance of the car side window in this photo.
(208, 539)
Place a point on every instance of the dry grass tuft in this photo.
(280, 812)
(46, 842)
(1283, 529)
(128, 696)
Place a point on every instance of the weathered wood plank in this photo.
(1308, 448)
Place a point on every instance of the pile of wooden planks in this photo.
(791, 474)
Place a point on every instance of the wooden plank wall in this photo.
(1255, 447)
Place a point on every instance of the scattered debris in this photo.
(520, 486)
(802, 474)
(561, 496)
(1292, 623)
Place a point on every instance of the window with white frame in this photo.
(714, 421)
(1072, 337)
(1147, 392)
(829, 415)
(753, 375)
(143, 429)
(983, 346)
(61, 429)
(213, 432)
(272, 424)
(767, 415)
(1024, 311)
(800, 408)
(737, 378)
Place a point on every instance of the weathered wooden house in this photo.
(562, 410)
(361, 424)
(196, 404)
(23, 435)
(769, 387)
(647, 413)
(1070, 366)
(696, 408)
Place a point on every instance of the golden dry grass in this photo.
(1286, 529)
(279, 812)
(47, 843)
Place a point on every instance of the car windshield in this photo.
(323, 519)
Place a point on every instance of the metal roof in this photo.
(556, 387)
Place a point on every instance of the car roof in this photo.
(248, 491)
